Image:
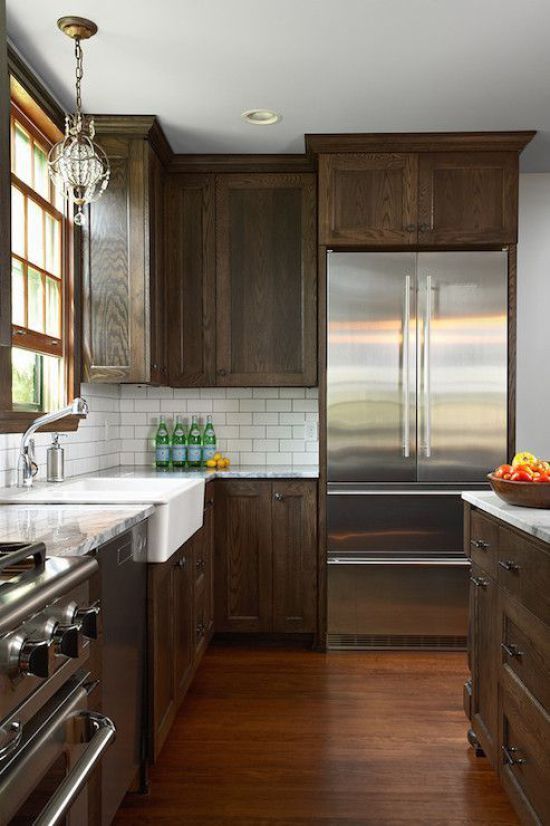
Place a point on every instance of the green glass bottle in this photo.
(194, 444)
(162, 445)
(208, 440)
(179, 444)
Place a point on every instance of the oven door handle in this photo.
(67, 792)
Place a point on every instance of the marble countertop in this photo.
(69, 530)
(534, 521)
(234, 472)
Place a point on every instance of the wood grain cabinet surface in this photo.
(242, 280)
(435, 190)
(266, 556)
(510, 659)
(180, 618)
(122, 264)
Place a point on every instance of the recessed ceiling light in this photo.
(261, 117)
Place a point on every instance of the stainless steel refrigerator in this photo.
(416, 412)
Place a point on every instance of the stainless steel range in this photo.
(51, 738)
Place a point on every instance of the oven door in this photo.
(44, 780)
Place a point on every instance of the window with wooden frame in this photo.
(40, 288)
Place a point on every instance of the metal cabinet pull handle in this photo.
(410, 228)
(180, 563)
(480, 544)
(278, 497)
(14, 733)
(423, 227)
(511, 649)
(479, 581)
(406, 368)
(222, 371)
(104, 732)
(509, 758)
(508, 564)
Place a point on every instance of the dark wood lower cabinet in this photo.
(266, 556)
(177, 603)
(510, 660)
(252, 567)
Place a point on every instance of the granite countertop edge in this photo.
(244, 472)
(534, 521)
(69, 530)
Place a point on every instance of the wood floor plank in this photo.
(272, 736)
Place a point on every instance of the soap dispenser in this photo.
(56, 460)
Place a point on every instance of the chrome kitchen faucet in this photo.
(26, 465)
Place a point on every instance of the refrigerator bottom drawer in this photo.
(375, 605)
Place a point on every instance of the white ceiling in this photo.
(326, 65)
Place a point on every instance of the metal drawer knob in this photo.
(180, 563)
(479, 581)
(480, 544)
(511, 649)
(509, 752)
(278, 497)
(508, 564)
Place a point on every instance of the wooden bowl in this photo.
(522, 494)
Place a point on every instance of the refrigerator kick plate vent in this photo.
(378, 642)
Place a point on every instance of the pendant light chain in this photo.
(79, 74)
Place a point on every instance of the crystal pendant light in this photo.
(78, 167)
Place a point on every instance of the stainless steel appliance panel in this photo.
(462, 358)
(402, 605)
(371, 367)
(400, 524)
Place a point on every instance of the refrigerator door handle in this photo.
(427, 368)
(406, 369)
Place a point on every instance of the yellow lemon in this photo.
(217, 457)
(210, 463)
(523, 458)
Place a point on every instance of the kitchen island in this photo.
(508, 697)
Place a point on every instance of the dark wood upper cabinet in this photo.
(441, 189)
(468, 198)
(122, 269)
(191, 275)
(367, 198)
(294, 535)
(266, 279)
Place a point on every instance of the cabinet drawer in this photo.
(525, 756)
(525, 648)
(523, 569)
(483, 545)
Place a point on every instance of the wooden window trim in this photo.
(16, 421)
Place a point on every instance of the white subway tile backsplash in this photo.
(255, 426)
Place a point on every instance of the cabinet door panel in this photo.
(190, 272)
(243, 593)
(467, 198)
(368, 198)
(485, 656)
(157, 270)
(115, 274)
(161, 650)
(294, 517)
(183, 618)
(266, 280)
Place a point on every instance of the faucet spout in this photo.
(26, 467)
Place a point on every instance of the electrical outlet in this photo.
(311, 432)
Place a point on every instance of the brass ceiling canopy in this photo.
(77, 27)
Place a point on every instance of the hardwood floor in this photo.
(279, 736)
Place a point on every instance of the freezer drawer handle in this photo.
(479, 581)
(509, 565)
(508, 752)
(15, 730)
(104, 733)
(511, 650)
(480, 544)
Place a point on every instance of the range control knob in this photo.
(89, 621)
(67, 640)
(35, 658)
